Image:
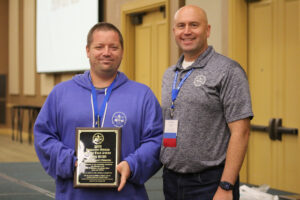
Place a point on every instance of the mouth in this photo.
(187, 40)
(106, 61)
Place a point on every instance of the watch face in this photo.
(226, 186)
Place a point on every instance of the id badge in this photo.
(170, 133)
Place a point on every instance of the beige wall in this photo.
(29, 78)
(13, 47)
(113, 11)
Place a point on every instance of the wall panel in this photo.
(47, 83)
(13, 48)
(29, 47)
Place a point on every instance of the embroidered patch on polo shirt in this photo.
(199, 80)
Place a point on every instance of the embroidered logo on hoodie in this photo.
(119, 119)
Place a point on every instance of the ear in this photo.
(173, 30)
(87, 49)
(122, 55)
(208, 31)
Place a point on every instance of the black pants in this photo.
(194, 186)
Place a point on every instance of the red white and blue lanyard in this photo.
(98, 116)
(175, 90)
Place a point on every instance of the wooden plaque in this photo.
(98, 151)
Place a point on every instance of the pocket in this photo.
(61, 185)
(211, 175)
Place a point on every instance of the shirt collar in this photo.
(200, 62)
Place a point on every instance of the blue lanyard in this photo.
(175, 90)
(98, 116)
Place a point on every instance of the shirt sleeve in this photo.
(56, 158)
(144, 162)
(235, 94)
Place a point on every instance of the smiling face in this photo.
(105, 53)
(191, 31)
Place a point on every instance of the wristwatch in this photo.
(226, 186)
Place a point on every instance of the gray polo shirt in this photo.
(215, 94)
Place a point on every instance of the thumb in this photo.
(122, 183)
(124, 170)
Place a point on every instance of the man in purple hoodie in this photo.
(72, 104)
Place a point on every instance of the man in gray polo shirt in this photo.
(207, 110)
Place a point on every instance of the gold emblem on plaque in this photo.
(98, 138)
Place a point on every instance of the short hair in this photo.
(104, 26)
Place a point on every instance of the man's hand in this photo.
(223, 195)
(124, 169)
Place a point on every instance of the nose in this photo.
(187, 29)
(106, 51)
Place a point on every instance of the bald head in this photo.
(190, 10)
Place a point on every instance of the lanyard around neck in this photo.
(175, 90)
(99, 115)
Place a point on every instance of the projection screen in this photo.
(61, 31)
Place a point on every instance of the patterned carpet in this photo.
(23, 178)
(28, 181)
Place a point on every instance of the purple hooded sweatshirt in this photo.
(69, 105)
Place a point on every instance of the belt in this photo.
(213, 168)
